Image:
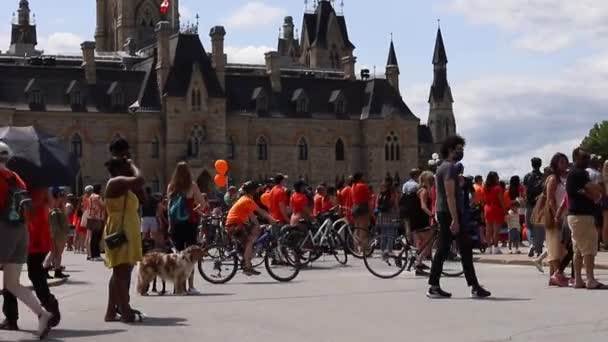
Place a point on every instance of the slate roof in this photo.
(439, 56)
(440, 88)
(316, 25)
(392, 56)
(373, 99)
(189, 50)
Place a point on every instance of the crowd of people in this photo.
(562, 211)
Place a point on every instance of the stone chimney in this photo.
(88, 62)
(392, 76)
(163, 31)
(217, 35)
(348, 66)
(273, 69)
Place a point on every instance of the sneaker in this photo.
(510, 251)
(479, 292)
(48, 276)
(435, 292)
(10, 326)
(531, 252)
(421, 273)
(251, 272)
(539, 265)
(60, 275)
(497, 251)
(517, 251)
(43, 324)
(193, 291)
(558, 281)
(491, 250)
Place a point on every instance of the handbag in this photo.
(118, 239)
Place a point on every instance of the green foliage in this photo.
(597, 140)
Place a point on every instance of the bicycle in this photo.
(315, 242)
(223, 260)
(388, 256)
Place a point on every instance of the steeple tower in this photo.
(23, 33)
(441, 115)
(392, 67)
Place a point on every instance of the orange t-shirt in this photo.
(478, 198)
(5, 175)
(278, 195)
(241, 210)
(299, 203)
(345, 197)
(361, 194)
(318, 205)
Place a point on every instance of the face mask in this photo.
(458, 156)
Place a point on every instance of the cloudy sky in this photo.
(529, 77)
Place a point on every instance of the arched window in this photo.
(195, 140)
(231, 148)
(339, 150)
(261, 104)
(302, 105)
(262, 149)
(196, 99)
(302, 149)
(392, 150)
(155, 148)
(340, 107)
(76, 145)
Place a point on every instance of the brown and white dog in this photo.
(175, 267)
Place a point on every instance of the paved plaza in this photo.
(331, 303)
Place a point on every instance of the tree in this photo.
(596, 142)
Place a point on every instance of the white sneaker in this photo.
(538, 263)
(43, 324)
(193, 291)
(491, 250)
(497, 251)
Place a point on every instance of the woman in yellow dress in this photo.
(122, 208)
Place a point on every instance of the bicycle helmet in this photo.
(250, 187)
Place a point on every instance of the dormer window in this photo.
(300, 99)
(337, 103)
(36, 98)
(76, 98)
(196, 100)
(117, 97)
(260, 100)
(34, 95)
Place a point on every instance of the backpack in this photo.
(535, 185)
(407, 203)
(384, 202)
(178, 209)
(18, 200)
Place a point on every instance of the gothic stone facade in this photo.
(303, 113)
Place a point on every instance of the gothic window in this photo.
(197, 136)
(231, 148)
(36, 98)
(392, 150)
(76, 98)
(155, 148)
(340, 107)
(118, 99)
(340, 150)
(262, 149)
(302, 149)
(76, 145)
(196, 100)
(261, 104)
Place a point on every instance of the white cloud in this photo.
(5, 41)
(541, 25)
(254, 14)
(247, 54)
(185, 14)
(61, 43)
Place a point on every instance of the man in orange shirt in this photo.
(243, 225)
(318, 200)
(345, 199)
(478, 199)
(279, 202)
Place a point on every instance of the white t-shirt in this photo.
(595, 176)
(513, 220)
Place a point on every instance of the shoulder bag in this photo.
(119, 238)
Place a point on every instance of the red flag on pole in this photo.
(164, 6)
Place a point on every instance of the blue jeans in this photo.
(388, 233)
(536, 233)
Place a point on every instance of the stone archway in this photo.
(205, 183)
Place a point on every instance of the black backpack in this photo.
(17, 201)
(535, 185)
(407, 203)
(384, 203)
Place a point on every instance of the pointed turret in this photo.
(392, 67)
(23, 33)
(442, 122)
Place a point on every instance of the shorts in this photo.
(514, 235)
(555, 246)
(149, 225)
(584, 235)
(240, 232)
(360, 210)
(13, 244)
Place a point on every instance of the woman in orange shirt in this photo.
(300, 208)
(361, 195)
(494, 210)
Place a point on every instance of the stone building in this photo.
(304, 112)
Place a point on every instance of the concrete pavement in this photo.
(330, 303)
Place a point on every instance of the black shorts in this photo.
(361, 210)
(184, 235)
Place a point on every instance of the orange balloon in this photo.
(265, 199)
(220, 181)
(221, 166)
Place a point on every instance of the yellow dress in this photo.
(130, 252)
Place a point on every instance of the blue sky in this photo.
(528, 76)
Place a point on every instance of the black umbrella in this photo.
(39, 158)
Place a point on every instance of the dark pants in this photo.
(37, 275)
(184, 235)
(465, 247)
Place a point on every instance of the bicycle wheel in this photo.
(277, 264)
(387, 256)
(220, 266)
(354, 244)
(452, 267)
(337, 247)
